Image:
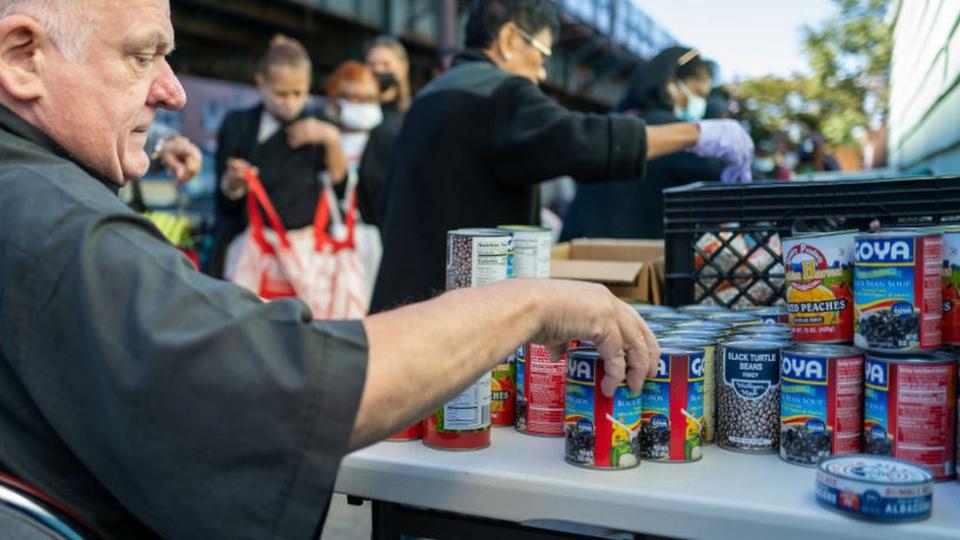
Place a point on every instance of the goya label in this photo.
(820, 406)
(909, 412)
(671, 429)
(951, 288)
(503, 393)
(819, 272)
(898, 282)
(600, 432)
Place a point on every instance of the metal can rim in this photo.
(824, 349)
(927, 476)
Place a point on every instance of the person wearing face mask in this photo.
(479, 140)
(353, 101)
(283, 139)
(671, 87)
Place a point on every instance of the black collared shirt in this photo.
(149, 398)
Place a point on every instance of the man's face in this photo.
(100, 105)
(527, 53)
(385, 60)
(285, 91)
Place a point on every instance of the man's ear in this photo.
(506, 40)
(21, 57)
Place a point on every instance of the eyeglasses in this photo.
(536, 43)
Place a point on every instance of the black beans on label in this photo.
(801, 445)
(459, 270)
(521, 411)
(881, 446)
(653, 443)
(739, 418)
(885, 330)
(579, 445)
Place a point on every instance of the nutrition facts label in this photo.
(925, 417)
(471, 409)
(490, 256)
(930, 333)
(546, 391)
(849, 405)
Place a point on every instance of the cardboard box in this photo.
(629, 268)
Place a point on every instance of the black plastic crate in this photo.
(723, 240)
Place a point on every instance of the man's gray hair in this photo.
(67, 23)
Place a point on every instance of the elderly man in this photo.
(152, 400)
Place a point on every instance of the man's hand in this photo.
(312, 131)
(181, 157)
(577, 310)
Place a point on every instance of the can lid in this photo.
(646, 309)
(875, 470)
(898, 233)
(806, 236)
(704, 324)
(734, 316)
(703, 308)
(741, 342)
(768, 310)
(478, 232)
(685, 347)
(695, 334)
(524, 228)
(766, 328)
(668, 343)
(907, 357)
(587, 351)
(823, 349)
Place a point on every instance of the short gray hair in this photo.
(67, 23)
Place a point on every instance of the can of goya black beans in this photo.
(821, 402)
(475, 257)
(748, 395)
(673, 404)
(875, 488)
(708, 428)
(599, 432)
(910, 409)
(541, 384)
(898, 291)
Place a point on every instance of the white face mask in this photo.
(360, 116)
(696, 106)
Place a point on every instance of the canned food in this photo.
(694, 334)
(671, 317)
(600, 432)
(951, 286)
(411, 433)
(658, 327)
(706, 325)
(701, 310)
(503, 393)
(821, 402)
(875, 488)
(898, 291)
(651, 310)
(909, 409)
(771, 314)
(766, 328)
(670, 429)
(708, 430)
(735, 318)
(531, 251)
(475, 257)
(819, 270)
(540, 391)
(748, 395)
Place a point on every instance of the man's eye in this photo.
(143, 60)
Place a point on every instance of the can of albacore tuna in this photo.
(748, 395)
(772, 314)
(910, 409)
(898, 291)
(599, 432)
(706, 325)
(702, 310)
(541, 383)
(875, 488)
(951, 286)
(735, 318)
(821, 402)
(672, 421)
(819, 270)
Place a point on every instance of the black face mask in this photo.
(387, 80)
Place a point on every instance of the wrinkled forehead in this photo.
(141, 25)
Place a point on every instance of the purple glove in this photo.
(726, 140)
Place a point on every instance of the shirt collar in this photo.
(19, 127)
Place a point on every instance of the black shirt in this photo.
(472, 150)
(147, 397)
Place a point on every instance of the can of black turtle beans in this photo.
(898, 295)
(821, 402)
(910, 409)
(600, 432)
(748, 395)
(875, 488)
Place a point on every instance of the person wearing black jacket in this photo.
(671, 87)
(478, 140)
